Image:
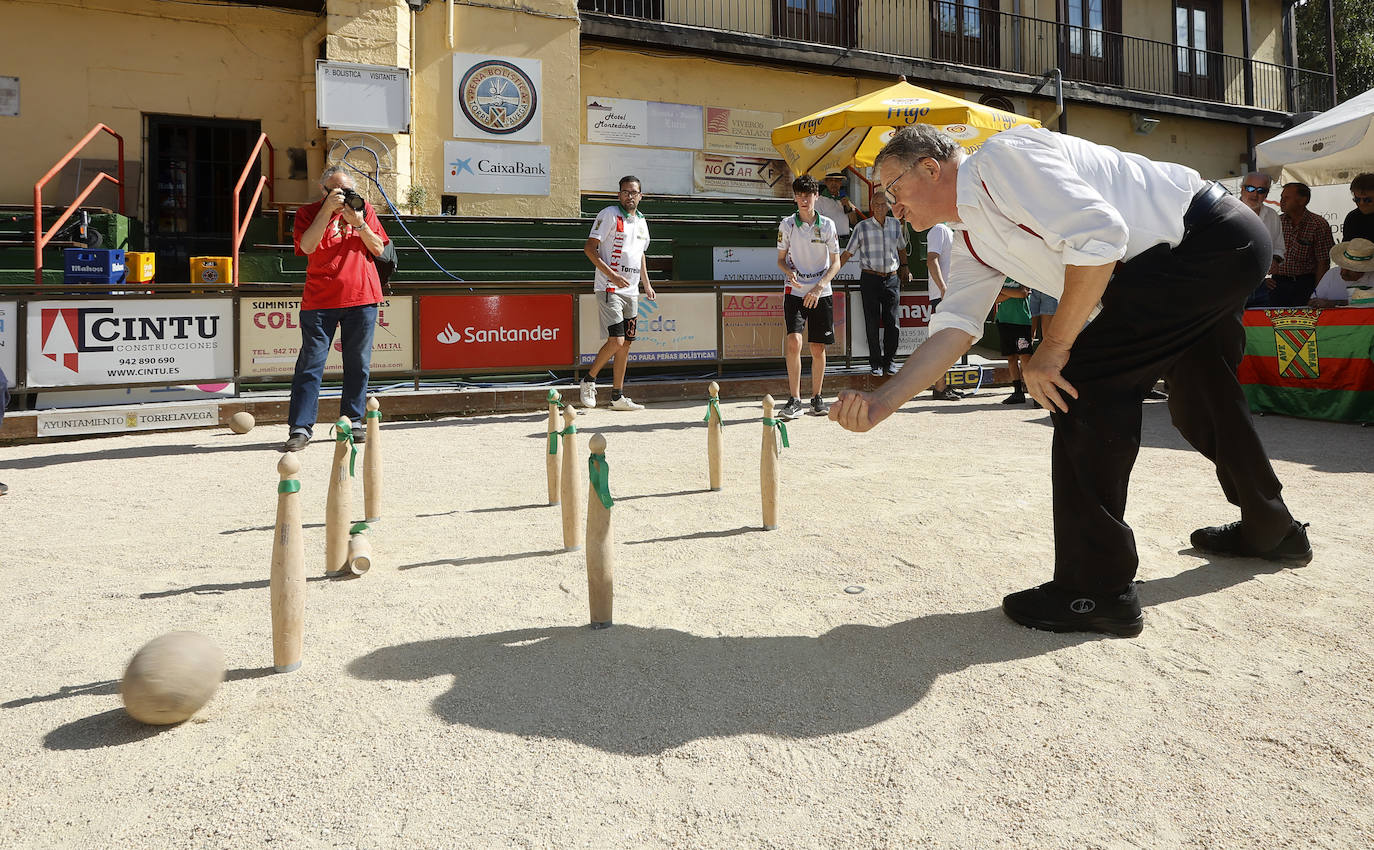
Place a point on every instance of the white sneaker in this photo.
(624, 403)
(877, 373)
(587, 389)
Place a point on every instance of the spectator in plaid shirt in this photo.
(1307, 252)
(880, 245)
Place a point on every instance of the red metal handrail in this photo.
(241, 231)
(41, 238)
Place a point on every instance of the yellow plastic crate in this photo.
(214, 270)
(139, 267)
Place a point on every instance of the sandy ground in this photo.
(453, 697)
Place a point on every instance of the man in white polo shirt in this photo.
(620, 237)
(1160, 261)
(809, 256)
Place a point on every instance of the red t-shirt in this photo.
(340, 272)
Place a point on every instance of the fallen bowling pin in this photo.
(600, 542)
(359, 549)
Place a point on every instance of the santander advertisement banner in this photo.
(481, 331)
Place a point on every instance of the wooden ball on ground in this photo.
(171, 677)
(241, 422)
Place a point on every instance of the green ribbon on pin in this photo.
(598, 475)
(358, 528)
(553, 399)
(373, 414)
(290, 485)
(782, 429)
(345, 433)
(554, 435)
(713, 404)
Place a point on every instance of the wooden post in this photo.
(714, 433)
(600, 540)
(572, 507)
(372, 462)
(768, 467)
(288, 569)
(339, 503)
(551, 448)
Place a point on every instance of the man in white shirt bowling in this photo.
(1161, 262)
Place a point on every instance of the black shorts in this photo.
(1016, 339)
(818, 321)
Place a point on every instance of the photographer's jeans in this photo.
(355, 326)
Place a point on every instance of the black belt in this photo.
(1204, 202)
(879, 274)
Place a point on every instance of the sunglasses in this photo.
(1361, 199)
(1263, 190)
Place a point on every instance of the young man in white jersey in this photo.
(619, 240)
(809, 256)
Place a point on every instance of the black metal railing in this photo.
(957, 32)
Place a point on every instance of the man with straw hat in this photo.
(1354, 267)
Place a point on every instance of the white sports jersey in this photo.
(624, 240)
(808, 247)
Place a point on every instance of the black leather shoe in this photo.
(1051, 609)
(1228, 540)
(296, 442)
(359, 434)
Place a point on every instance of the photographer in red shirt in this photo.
(340, 234)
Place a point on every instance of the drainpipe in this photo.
(1249, 82)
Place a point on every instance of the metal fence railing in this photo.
(966, 33)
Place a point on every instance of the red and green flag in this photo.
(1313, 363)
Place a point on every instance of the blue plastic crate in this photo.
(86, 265)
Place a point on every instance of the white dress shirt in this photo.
(1032, 202)
(940, 241)
(1333, 287)
(1270, 217)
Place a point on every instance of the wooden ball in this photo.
(171, 677)
(241, 422)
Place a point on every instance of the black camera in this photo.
(353, 200)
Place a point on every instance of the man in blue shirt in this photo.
(879, 244)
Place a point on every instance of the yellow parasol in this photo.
(852, 133)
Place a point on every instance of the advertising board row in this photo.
(121, 342)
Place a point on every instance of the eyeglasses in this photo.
(1361, 199)
(631, 193)
(887, 190)
(1263, 190)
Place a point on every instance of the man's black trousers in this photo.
(881, 295)
(1171, 313)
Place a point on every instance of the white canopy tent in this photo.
(1331, 148)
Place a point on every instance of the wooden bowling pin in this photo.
(339, 503)
(572, 506)
(288, 569)
(372, 462)
(551, 448)
(359, 549)
(768, 467)
(714, 431)
(600, 542)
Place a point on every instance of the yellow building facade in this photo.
(133, 63)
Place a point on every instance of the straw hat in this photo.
(1357, 255)
(839, 174)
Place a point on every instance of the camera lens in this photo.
(354, 200)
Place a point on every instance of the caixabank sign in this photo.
(495, 331)
(135, 341)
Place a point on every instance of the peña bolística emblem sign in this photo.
(497, 97)
(1295, 337)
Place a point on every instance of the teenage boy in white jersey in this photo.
(620, 237)
(809, 256)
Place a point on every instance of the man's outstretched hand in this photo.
(859, 412)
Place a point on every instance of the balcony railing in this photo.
(964, 34)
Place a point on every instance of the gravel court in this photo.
(453, 696)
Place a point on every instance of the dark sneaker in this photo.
(1157, 395)
(791, 410)
(296, 442)
(818, 406)
(946, 394)
(359, 434)
(1228, 540)
(1051, 609)
(1015, 398)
